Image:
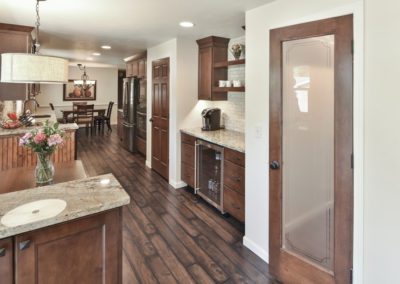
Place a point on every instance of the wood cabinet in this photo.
(6, 261)
(188, 159)
(136, 65)
(14, 39)
(234, 183)
(86, 250)
(211, 51)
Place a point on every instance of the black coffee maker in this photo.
(211, 119)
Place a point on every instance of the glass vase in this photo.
(44, 171)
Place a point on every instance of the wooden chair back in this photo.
(76, 104)
(109, 110)
(84, 114)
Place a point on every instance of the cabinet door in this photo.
(142, 68)
(135, 69)
(87, 250)
(6, 262)
(205, 73)
(129, 70)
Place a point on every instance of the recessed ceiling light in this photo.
(89, 58)
(186, 24)
(96, 53)
(106, 47)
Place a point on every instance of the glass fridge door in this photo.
(210, 173)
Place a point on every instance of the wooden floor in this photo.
(169, 235)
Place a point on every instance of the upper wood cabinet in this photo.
(212, 49)
(136, 65)
(16, 39)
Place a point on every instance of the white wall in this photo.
(258, 23)
(182, 96)
(382, 140)
(107, 90)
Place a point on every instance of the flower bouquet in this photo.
(44, 141)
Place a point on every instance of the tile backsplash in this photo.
(233, 110)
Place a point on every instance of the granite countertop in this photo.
(39, 111)
(83, 197)
(224, 137)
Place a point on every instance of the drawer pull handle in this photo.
(2, 252)
(188, 176)
(235, 206)
(24, 245)
(234, 157)
(187, 155)
(235, 178)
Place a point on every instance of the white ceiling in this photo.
(75, 29)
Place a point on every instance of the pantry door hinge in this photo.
(352, 161)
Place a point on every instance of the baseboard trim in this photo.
(179, 184)
(259, 251)
(148, 164)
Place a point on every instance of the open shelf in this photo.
(229, 89)
(229, 63)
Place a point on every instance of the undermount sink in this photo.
(33, 212)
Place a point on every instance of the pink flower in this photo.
(55, 140)
(39, 137)
(24, 139)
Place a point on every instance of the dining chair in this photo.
(84, 116)
(75, 108)
(100, 120)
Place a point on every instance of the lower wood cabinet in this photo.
(6, 261)
(188, 159)
(234, 203)
(87, 250)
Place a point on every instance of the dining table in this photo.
(67, 112)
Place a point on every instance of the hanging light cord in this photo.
(37, 44)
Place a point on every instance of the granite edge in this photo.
(187, 131)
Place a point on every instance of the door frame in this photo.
(277, 36)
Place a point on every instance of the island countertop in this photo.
(39, 111)
(83, 197)
(227, 138)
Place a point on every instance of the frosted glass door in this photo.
(308, 149)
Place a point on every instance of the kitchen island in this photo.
(63, 233)
(14, 156)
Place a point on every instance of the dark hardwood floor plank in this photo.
(174, 265)
(199, 275)
(128, 274)
(204, 259)
(161, 271)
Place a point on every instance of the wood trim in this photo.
(282, 262)
(16, 28)
(136, 57)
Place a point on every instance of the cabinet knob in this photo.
(24, 245)
(2, 252)
(235, 178)
(151, 120)
(235, 206)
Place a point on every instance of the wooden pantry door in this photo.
(160, 117)
(311, 147)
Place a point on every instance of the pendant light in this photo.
(84, 83)
(33, 68)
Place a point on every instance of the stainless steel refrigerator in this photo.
(131, 96)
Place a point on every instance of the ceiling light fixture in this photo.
(186, 24)
(106, 47)
(96, 53)
(34, 67)
(84, 83)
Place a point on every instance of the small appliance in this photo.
(211, 119)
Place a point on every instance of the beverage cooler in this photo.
(209, 173)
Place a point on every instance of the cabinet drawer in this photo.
(187, 154)
(191, 140)
(234, 203)
(187, 174)
(234, 176)
(234, 156)
(6, 261)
